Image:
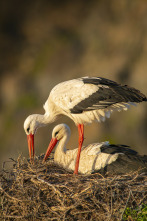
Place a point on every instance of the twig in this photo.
(13, 217)
(49, 184)
(11, 197)
(126, 205)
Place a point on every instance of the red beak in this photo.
(30, 138)
(51, 146)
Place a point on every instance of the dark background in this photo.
(43, 43)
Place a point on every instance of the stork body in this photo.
(84, 100)
(101, 157)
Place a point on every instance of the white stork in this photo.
(84, 100)
(98, 157)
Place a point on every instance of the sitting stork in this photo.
(98, 157)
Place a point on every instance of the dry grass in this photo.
(48, 192)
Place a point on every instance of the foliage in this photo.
(137, 214)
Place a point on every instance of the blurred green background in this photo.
(43, 43)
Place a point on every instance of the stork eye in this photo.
(28, 129)
(56, 133)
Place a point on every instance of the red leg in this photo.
(81, 138)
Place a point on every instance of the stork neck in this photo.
(44, 119)
(61, 146)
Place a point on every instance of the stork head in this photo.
(30, 126)
(60, 131)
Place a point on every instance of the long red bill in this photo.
(30, 139)
(51, 146)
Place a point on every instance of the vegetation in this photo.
(139, 213)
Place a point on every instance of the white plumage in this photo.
(94, 157)
(84, 100)
(91, 158)
(66, 95)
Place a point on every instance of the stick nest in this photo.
(48, 192)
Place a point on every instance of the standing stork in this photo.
(84, 100)
(97, 157)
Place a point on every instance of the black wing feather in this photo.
(119, 148)
(108, 93)
(128, 160)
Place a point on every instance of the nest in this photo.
(48, 192)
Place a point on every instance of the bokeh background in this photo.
(43, 43)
